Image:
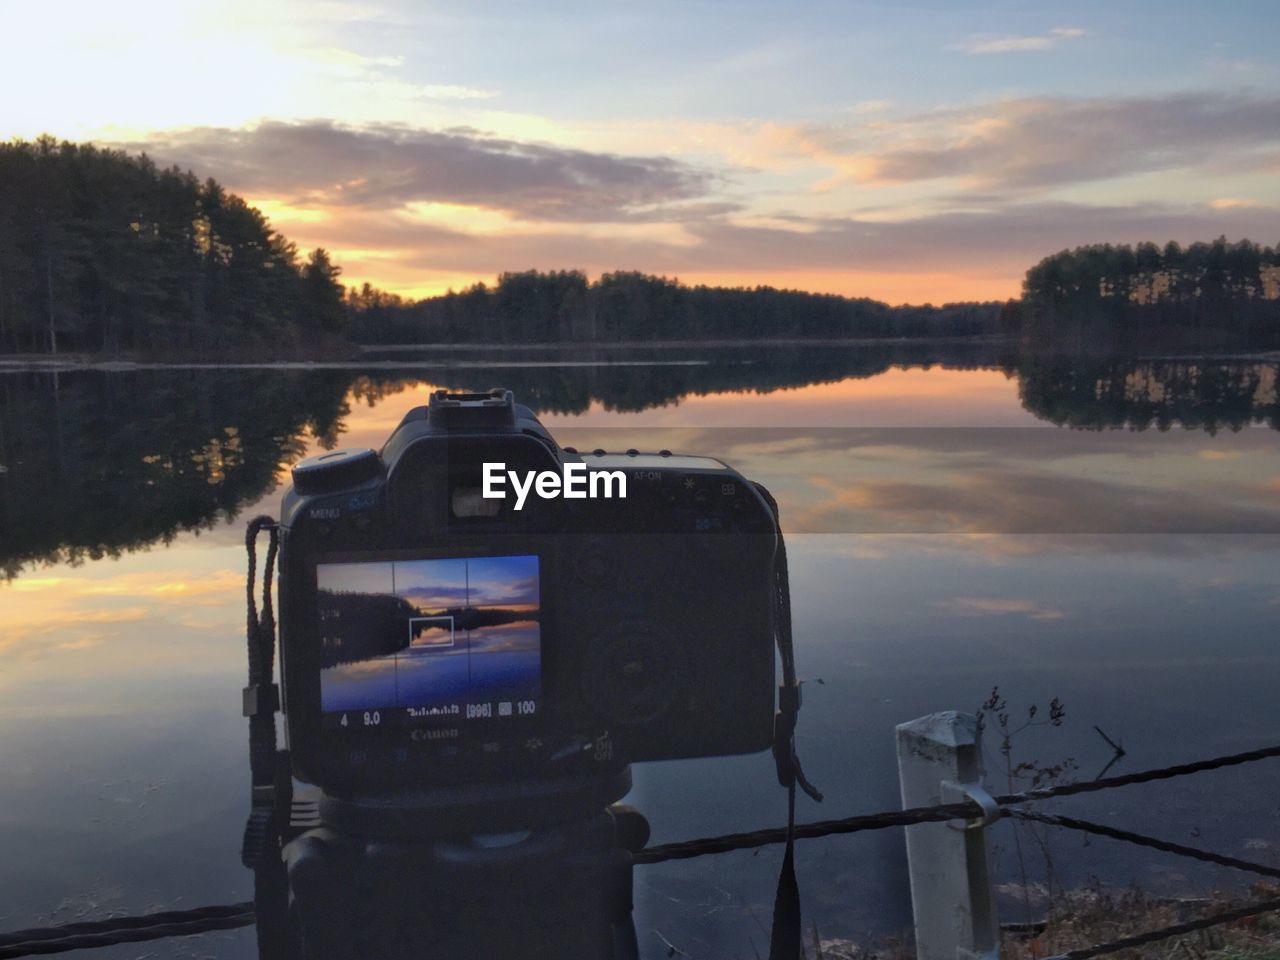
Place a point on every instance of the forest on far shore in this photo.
(563, 305)
(1222, 292)
(105, 252)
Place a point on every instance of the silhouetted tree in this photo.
(1222, 292)
(562, 306)
(322, 294)
(103, 251)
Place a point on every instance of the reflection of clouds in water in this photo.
(441, 625)
(1218, 455)
(1024, 479)
(901, 392)
(1021, 501)
(357, 669)
(523, 636)
(427, 651)
(1013, 443)
(38, 634)
(360, 684)
(174, 586)
(1004, 548)
(47, 615)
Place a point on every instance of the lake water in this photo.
(1105, 531)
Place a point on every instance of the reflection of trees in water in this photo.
(368, 624)
(98, 464)
(632, 385)
(361, 626)
(1094, 394)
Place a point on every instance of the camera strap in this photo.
(271, 783)
(785, 942)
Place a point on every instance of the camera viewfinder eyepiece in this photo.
(469, 411)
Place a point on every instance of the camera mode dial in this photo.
(338, 470)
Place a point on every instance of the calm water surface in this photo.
(1105, 531)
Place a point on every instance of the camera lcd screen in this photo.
(426, 641)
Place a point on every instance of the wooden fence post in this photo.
(940, 761)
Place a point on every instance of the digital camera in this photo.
(438, 629)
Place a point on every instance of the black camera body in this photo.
(435, 636)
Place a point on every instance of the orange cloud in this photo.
(910, 286)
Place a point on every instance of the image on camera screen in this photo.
(448, 639)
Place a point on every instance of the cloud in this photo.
(991, 607)
(1042, 143)
(1011, 238)
(414, 209)
(388, 166)
(863, 257)
(1000, 243)
(451, 91)
(1018, 44)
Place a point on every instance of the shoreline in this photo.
(446, 355)
(43, 362)
(983, 339)
(123, 366)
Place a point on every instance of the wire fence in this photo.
(179, 923)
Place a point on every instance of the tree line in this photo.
(563, 305)
(1231, 290)
(102, 251)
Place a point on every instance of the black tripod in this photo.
(528, 871)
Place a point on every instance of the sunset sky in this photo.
(918, 151)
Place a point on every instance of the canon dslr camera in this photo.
(433, 635)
